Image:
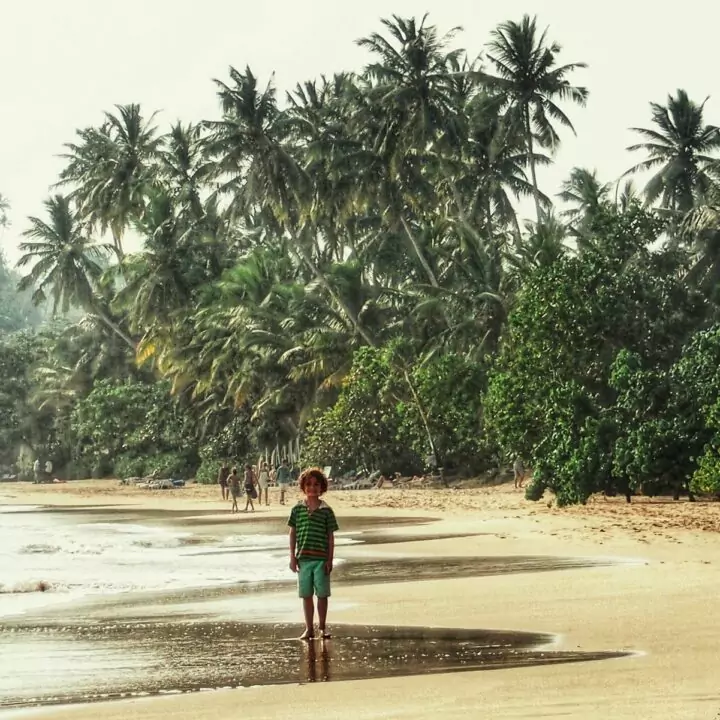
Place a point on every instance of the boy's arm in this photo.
(293, 545)
(331, 552)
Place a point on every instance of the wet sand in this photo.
(122, 660)
(655, 603)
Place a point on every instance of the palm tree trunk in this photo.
(322, 279)
(423, 415)
(116, 329)
(531, 160)
(117, 242)
(419, 253)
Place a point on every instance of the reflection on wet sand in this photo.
(155, 658)
(317, 670)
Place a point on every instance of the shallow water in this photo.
(116, 660)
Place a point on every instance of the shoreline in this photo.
(659, 608)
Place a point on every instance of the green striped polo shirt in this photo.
(312, 530)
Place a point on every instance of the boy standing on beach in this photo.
(312, 546)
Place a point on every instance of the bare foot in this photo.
(325, 634)
(307, 635)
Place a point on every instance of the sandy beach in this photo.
(658, 604)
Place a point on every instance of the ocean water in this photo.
(52, 558)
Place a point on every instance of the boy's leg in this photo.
(305, 591)
(309, 613)
(322, 616)
(321, 581)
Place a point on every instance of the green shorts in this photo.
(312, 579)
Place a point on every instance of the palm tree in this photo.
(184, 167)
(528, 78)
(248, 144)
(543, 244)
(625, 195)
(679, 150)
(412, 83)
(111, 169)
(701, 227)
(68, 265)
(4, 207)
(250, 159)
(493, 166)
(586, 194)
(408, 106)
(157, 280)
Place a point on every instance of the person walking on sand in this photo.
(263, 482)
(250, 491)
(313, 526)
(518, 472)
(234, 481)
(282, 476)
(36, 470)
(223, 475)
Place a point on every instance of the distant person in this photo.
(223, 475)
(264, 482)
(36, 471)
(312, 547)
(48, 470)
(518, 472)
(282, 476)
(234, 480)
(250, 492)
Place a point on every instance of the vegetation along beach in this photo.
(512, 391)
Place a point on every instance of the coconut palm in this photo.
(701, 228)
(4, 207)
(408, 112)
(261, 171)
(184, 166)
(68, 265)
(157, 280)
(493, 167)
(586, 194)
(411, 83)
(528, 78)
(111, 169)
(246, 145)
(679, 150)
(543, 244)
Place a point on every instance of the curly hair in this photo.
(314, 472)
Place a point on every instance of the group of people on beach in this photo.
(255, 481)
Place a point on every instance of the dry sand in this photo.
(662, 607)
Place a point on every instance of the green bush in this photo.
(562, 392)
(169, 465)
(207, 472)
(126, 466)
(77, 470)
(706, 480)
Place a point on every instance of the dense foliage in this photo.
(346, 267)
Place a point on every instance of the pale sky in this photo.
(62, 62)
